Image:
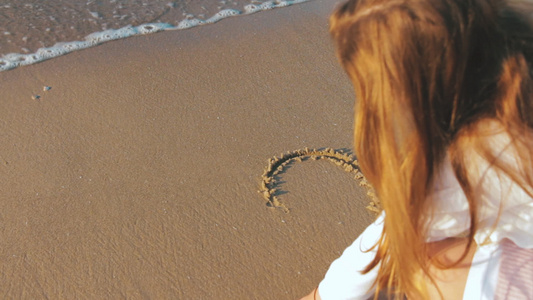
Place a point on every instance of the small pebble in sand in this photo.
(47, 88)
(36, 97)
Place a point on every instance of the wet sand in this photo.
(29, 25)
(137, 174)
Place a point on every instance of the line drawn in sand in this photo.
(276, 165)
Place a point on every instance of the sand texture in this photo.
(277, 165)
(135, 175)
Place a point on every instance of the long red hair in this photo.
(427, 75)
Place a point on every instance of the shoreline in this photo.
(12, 60)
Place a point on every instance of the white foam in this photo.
(13, 60)
(153, 27)
(226, 13)
(188, 23)
(252, 8)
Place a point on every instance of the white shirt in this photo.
(451, 218)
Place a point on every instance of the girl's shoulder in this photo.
(504, 201)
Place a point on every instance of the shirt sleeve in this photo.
(344, 279)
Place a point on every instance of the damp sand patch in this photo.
(270, 188)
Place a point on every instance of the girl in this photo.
(444, 132)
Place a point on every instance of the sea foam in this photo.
(14, 60)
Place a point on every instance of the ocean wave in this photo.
(14, 60)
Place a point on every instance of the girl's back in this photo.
(444, 132)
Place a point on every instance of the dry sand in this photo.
(136, 175)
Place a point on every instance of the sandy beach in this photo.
(136, 175)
